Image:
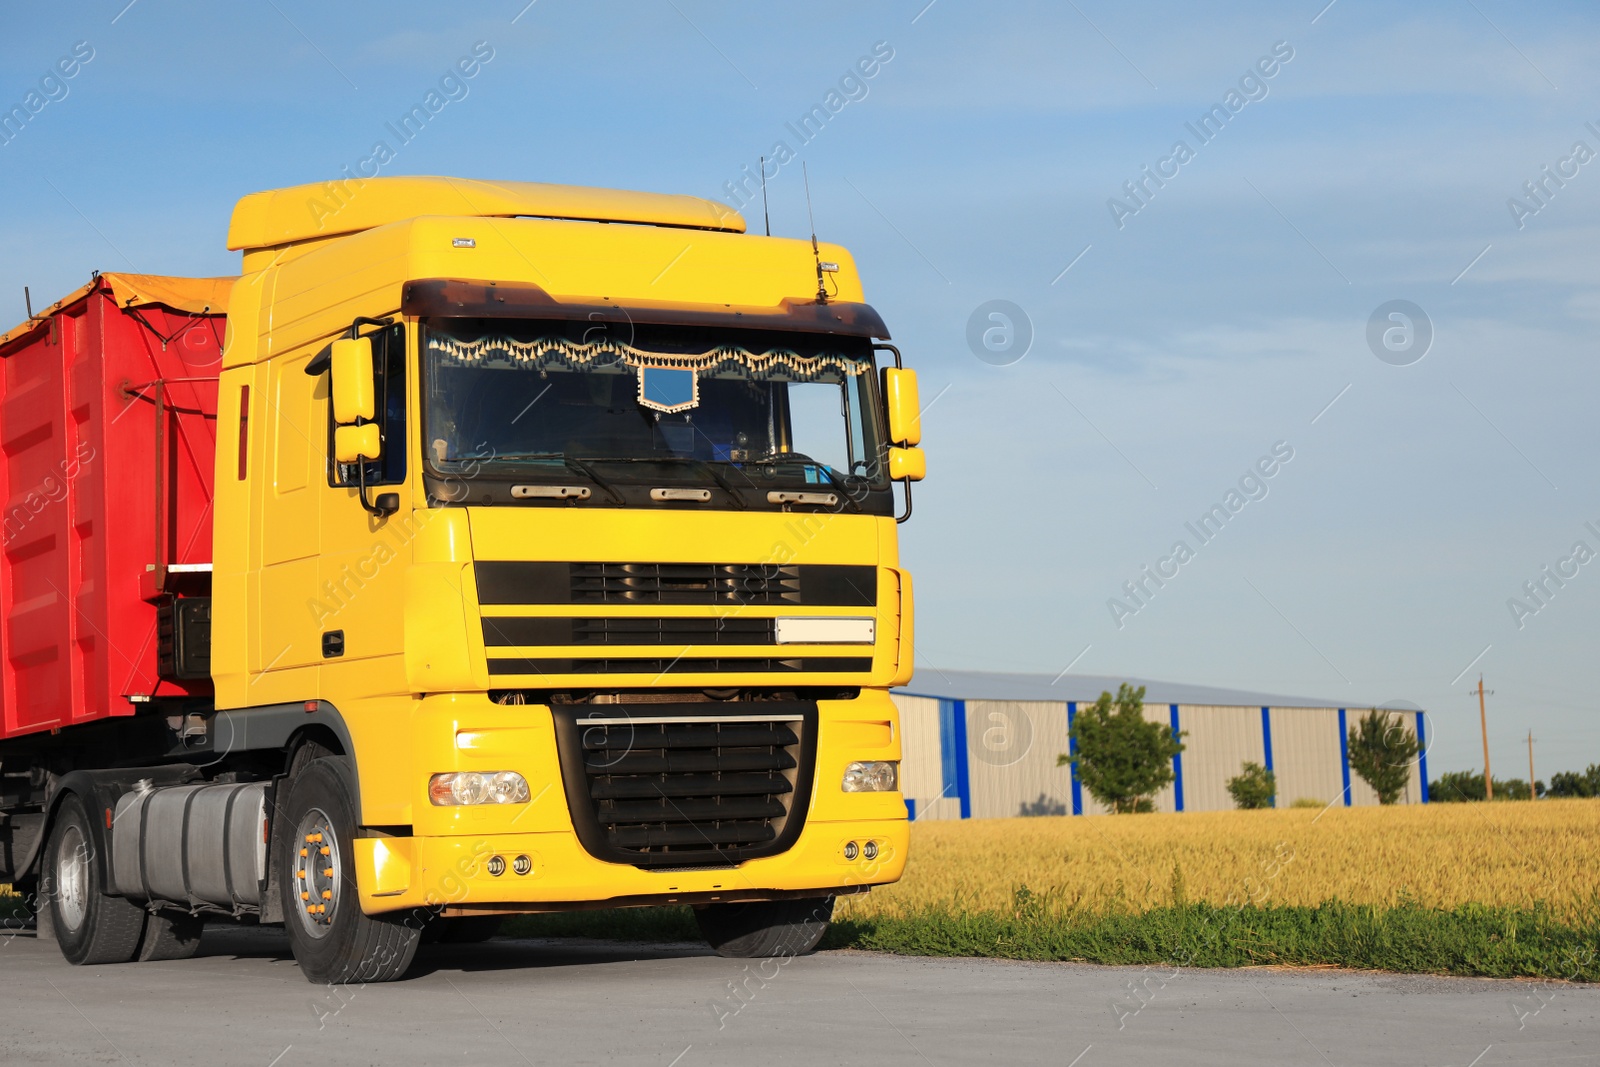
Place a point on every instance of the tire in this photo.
(90, 926)
(462, 930)
(170, 937)
(766, 928)
(333, 941)
(307, 751)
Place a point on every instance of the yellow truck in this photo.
(544, 558)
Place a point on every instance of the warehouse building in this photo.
(978, 745)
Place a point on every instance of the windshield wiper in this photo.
(583, 468)
(827, 471)
(709, 468)
(573, 464)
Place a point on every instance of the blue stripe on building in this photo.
(953, 753)
(911, 810)
(1422, 752)
(1344, 756)
(1266, 744)
(1072, 748)
(949, 754)
(1177, 766)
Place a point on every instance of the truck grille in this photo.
(681, 788)
(525, 582)
(500, 631)
(684, 583)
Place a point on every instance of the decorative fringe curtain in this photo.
(552, 353)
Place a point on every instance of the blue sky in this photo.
(1220, 319)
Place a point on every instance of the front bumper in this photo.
(449, 861)
(455, 872)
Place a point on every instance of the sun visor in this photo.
(452, 298)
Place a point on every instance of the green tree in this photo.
(1121, 759)
(1254, 787)
(1465, 786)
(1381, 752)
(1575, 783)
(1515, 789)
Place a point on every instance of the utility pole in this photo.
(1533, 791)
(1483, 721)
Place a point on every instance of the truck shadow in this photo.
(244, 942)
(271, 943)
(531, 953)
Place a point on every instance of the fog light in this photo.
(875, 776)
(851, 851)
(870, 850)
(496, 865)
(522, 864)
(478, 787)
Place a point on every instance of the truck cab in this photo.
(555, 565)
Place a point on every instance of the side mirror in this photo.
(352, 444)
(353, 385)
(909, 464)
(905, 413)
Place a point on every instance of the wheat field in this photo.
(1437, 855)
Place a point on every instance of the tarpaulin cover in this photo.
(197, 296)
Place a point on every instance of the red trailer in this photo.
(107, 438)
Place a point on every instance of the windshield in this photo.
(746, 415)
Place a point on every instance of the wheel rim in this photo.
(318, 873)
(72, 878)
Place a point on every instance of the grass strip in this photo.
(1473, 940)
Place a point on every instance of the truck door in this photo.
(286, 584)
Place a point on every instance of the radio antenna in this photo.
(27, 298)
(822, 290)
(764, 216)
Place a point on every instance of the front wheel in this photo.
(90, 925)
(333, 940)
(761, 929)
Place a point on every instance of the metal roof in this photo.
(1085, 688)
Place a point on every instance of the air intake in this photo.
(679, 787)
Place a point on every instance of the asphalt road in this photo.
(540, 1002)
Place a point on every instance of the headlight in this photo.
(478, 787)
(876, 776)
